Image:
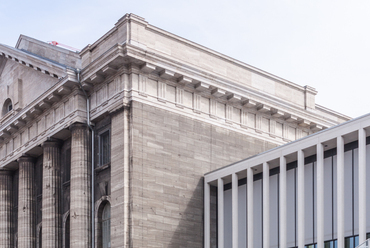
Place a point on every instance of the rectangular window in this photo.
(351, 242)
(330, 244)
(104, 147)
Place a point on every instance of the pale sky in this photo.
(321, 43)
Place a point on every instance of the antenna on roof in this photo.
(55, 43)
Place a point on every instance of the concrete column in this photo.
(320, 194)
(220, 210)
(340, 191)
(26, 203)
(120, 179)
(51, 196)
(207, 215)
(282, 203)
(362, 184)
(300, 195)
(250, 207)
(80, 211)
(6, 234)
(266, 205)
(235, 188)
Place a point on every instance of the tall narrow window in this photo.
(67, 234)
(106, 226)
(104, 147)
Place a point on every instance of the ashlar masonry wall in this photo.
(170, 154)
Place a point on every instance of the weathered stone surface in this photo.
(51, 196)
(6, 206)
(80, 212)
(170, 154)
(26, 203)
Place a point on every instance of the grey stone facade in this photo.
(163, 111)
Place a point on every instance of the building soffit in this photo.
(130, 56)
(39, 64)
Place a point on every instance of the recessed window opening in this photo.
(7, 107)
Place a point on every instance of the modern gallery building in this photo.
(107, 147)
(312, 192)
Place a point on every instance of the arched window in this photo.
(8, 106)
(106, 226)
(67, 234)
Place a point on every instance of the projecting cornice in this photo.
(37, 63)
(123, 57)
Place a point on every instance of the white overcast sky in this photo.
(321, 43)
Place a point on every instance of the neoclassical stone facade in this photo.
(109, 145)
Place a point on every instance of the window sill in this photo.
(101, 168)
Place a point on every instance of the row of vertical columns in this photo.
(300, 199)
(51, 198)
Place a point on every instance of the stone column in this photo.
(6, 234)
(51, 196)
(80, 211)
(26, 203)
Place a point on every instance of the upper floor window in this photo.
(104, 147)
(8, 106)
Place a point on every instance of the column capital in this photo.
(78, 125)
(25, 158)
(52, 142)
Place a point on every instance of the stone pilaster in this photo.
(6, 234)
(26, 203)
(120, 170)
(80, 211)
(51, 196)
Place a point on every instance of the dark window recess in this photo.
(104, 148)
(67, 166)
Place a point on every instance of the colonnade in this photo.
(80, 208)
(246, 168)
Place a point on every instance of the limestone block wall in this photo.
(170, 154)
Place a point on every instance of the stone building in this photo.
(142, 115)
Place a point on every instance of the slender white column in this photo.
(266, 205)
(220, 208)
(207, 216)
(250, 207)
(282, 202)
(362, 184)
(235, 209)
(320, 195)
(340, 191)
(300, 196)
